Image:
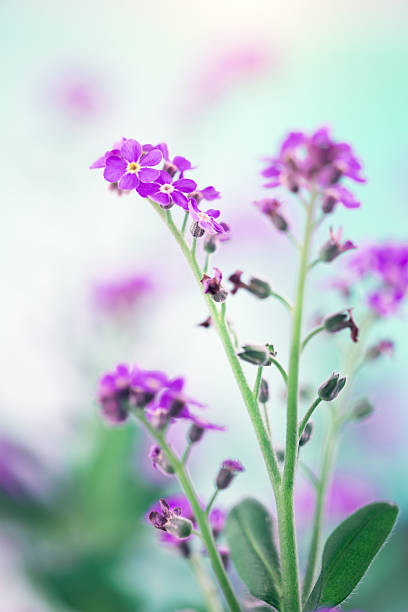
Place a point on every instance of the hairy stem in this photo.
(258, 382)
(285, 506)
(199, 514)
(307, 416)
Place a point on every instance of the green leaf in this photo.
(249, 533)
(349, 551)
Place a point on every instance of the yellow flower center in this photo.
(166, 188)
(133, 167)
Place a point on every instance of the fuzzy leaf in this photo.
(348, 552)
(249, 533)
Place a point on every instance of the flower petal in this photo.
(180, 199)
(128, 181)
(211, 212)
(152, 159)
(148, 175)
(161, 198)
(131, 150)
(114, 169)
(186, 185)
(147, 189)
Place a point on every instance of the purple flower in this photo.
(387, 266)
(271, 208)
(113, 394)
(205, 220)
(131, 167)
(218, 519)
(214, 287)
(208, 193)
(227, 472)
(383, 347)
(145, 385)
(168, 192)
(177, 164)
(306, 161)
(176, 504)
(101, 161)
(171, 520)
(121, 293)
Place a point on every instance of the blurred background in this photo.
(221, 83)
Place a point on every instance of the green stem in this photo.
(194, 247)
(212, 500)
(199, 514)
(282, 300)
(186, 453)
(307, 416)
(281, 369)
(258, 382)
(205, 584)
(206, 264)
(285, 506)
(222, 329)
(327, 462)
(311, 335)
(183, 227)
(267, 423)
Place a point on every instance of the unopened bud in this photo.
(330, 389)
(362, 409)
(263, 391)
(179, 526)
(228, 470)
(306, 434)
(160, 461)
(260, 288)
(195, 433)
(258, 354)
(196, 230)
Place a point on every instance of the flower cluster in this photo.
(121, 293)
(315, 162)
(132, 166)
(163, 399)
(386, 267)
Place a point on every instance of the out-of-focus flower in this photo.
(20, 474)
(160, 461)
(387, 267)
(171, 520)
(331, 249)
(213, 286)
(310, 161)
(270, 207)
(212, 241)
(131, 167)
(121, 293)
(257, 286)
(206, 221)
(383, 347)
(229, 469)
(168, 192)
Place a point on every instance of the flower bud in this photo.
(228, 470)
(258, 354)
(263, 391)
(196, 230)
(280, 455)
(260, 288)
(334, 247)
(341, 320)
(179, 526)
(330, 389)
(160, 461)
(195, 433)
(306, 434)
(362, 409)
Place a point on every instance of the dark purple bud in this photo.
(207, 323)
(333, 247)
(258, 354)
(170, 168)
(160, 461)
(329, 204)
(195, 433)
(383, 347)
(196, 230)
(263, 391)
(362, 410)
(341, 320)
(306, 434)
(330, 389)
(271, 208)
(214, 287)
(157, 520)
(228, 470)
(184, 549)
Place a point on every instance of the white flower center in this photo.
(133, 167)
(203, 216)
(167, 188)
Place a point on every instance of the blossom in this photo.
(171, 520)
(271, 208)
(205, 220)
(167, 192)
(177, 164)
(113, 394)
(386, 266)
(383, 347)
(116, 294)
(208, 193)
(214, 287)
(331, 249)
(130, 167)
(212, 241)
(306, 161)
